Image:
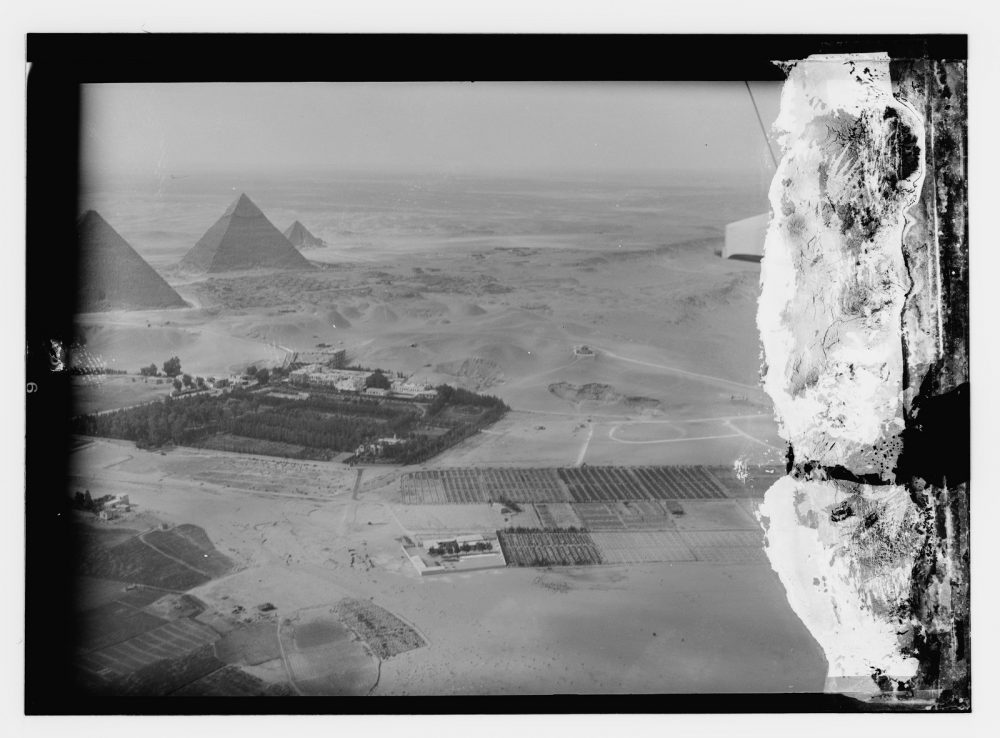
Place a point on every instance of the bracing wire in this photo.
(760, 120)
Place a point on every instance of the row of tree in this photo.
(89, 370)
(340, 404)
(319, 421)
(452, 547)
(306, 428)
(448, 395)
(171, 368)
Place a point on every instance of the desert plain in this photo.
(600, 312)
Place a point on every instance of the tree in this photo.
(200, 381)
(177, 384)
(188, 380)
(148, 371)
(263, 376)
(251, 370)
(172, 367)
(378, 379)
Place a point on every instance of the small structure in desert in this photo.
(455, 554)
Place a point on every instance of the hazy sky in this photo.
(481, 127)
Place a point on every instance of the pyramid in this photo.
(301, 238)
(112, 276)
(243, 238)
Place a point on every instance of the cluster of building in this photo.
(458, 553)
(113, 506)
(402, 388)
(352, 380)
(375, 448)
(318, 375)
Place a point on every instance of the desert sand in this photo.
(492, 288)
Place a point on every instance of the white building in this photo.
(318, 375)
(407, 388)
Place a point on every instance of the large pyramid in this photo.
(301, 238)
(243, 238)
(112, 276)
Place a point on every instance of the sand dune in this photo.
(381, 314)
(468, 309)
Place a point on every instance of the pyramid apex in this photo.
(244, 206)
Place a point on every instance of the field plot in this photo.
(557, 515)
(231, 681)
(250, 644)
(243, 445)
(522, 485)
(93, 394)
(167, 675)
(260, 474)
(474, 485)
(716, 515)
(169, 641)
(623, 515)
(190, 544)
(449, 520)
(177, 559)
(644, 515)
(423, 487)
(727, 546)
(112, 623)
(548, 548)
(384, 633)
(637, 547)
(731, 555)
(91, 593)
(581, 484)
(324, 658)
(598, 516)
(597, 484)
(723, 538)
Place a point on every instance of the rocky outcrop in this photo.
(862, 335)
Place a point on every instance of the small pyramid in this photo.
(301, 238)
(243, 238)
(112, 276)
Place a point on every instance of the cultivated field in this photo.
(634, 547)
(584, 484)
(139, 634)
(230, 681)
(169, 641)
(526, 547)
(98, 393)
(324, 658)
(385, 634)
